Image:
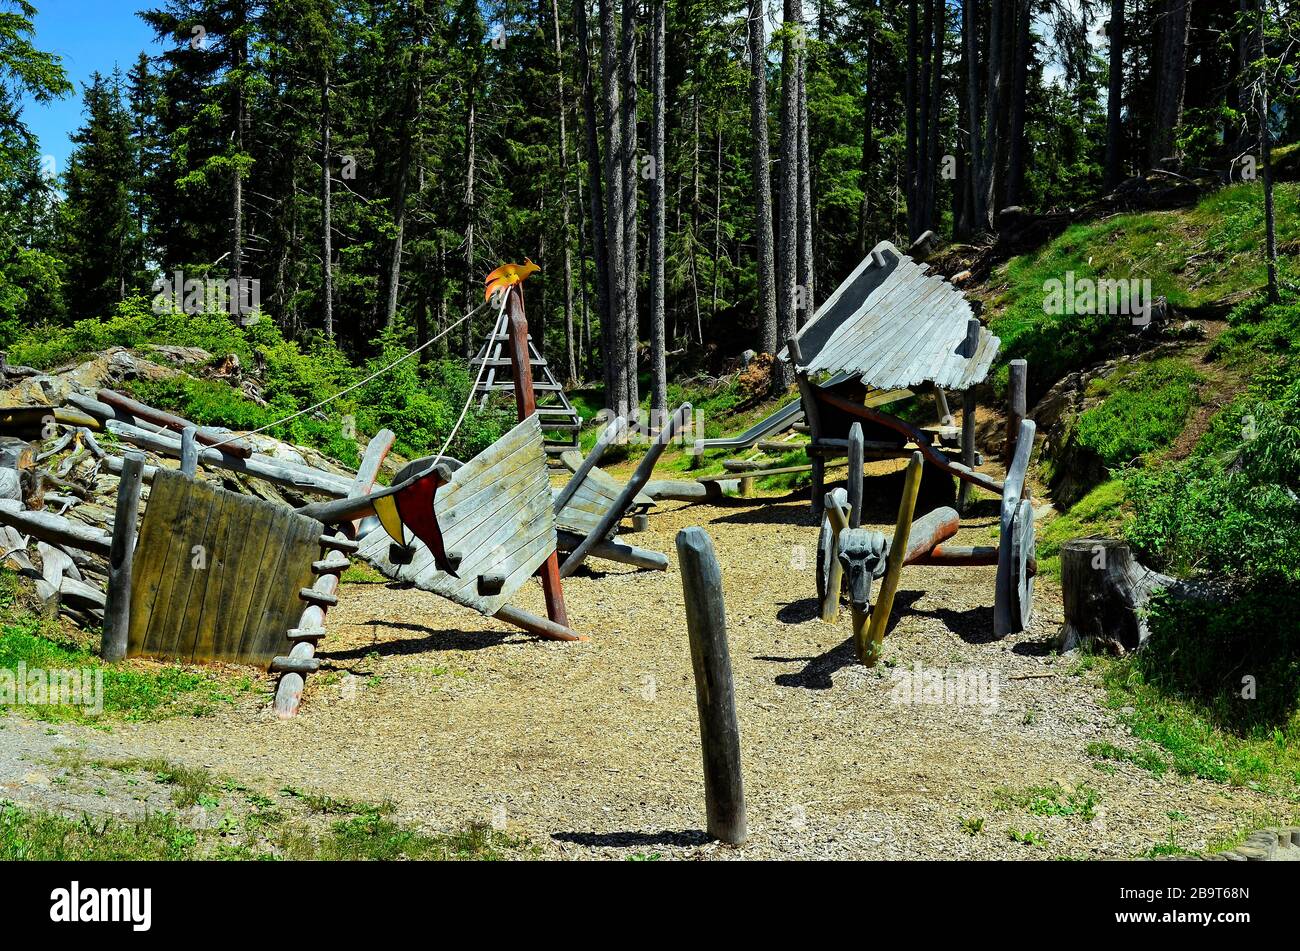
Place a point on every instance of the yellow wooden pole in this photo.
(869, 647)
(835, 576)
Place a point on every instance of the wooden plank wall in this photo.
(217, 574)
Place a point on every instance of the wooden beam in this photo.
(117, 612)
(1017, 387)
(870, 647)
(608, 436)
(715, 694)
(205, 435)
(639, 478)
(55, 529)
(526, 405)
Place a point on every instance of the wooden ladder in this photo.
(561, 423)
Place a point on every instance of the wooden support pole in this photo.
(634, 485)
(189, 452)
(872, 644)
(812, 416)
(715, 697)
(1016, 409)
(288, 693)
(830, 608)
(141, 411)
(855, 475)
(117, 612)
(967, 442)
(526, 405)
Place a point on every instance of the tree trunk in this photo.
(788, 232)
(1115, 99)
(615, 334)
(570, 360)
(979, 197)
(807, 278)
(658, 211)
(910, 106)
(1266, 158)
(930, 171)
(1105, 591)
(1170, 71)
(594, 164)
(1019, 83)
(631, 178)
(766, 310)
(865, 176)
(327, 237)
(471, 212)
(994, 112)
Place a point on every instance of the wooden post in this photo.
(189, 451)
(117, 612)
(894, 565)
(288, 692)
(813, 419)
(1016, 408)
(634, 485)
(967, 442)
(835, 571)
(855, 475)
(706, 623)
(941, 404)
(526, 404)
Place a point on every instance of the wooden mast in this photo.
(526, 404)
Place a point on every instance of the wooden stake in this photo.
(189, 451)
(526, 405)
(835, 573)
(715, 697)
(871, 645)
(855, 475)
(117, 613)
(1016, 406)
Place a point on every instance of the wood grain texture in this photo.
(218, 574)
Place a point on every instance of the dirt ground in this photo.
(592, 749)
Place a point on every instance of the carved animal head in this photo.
(862, 556)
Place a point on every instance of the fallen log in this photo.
(55, 529)
(204, 434)
(301, 478)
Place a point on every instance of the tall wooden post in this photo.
(526, 404)
(189, 451)
(869, 646)
(117, 610)
(967, 444)
(1016, 405)
(856, 453)
(715, 694)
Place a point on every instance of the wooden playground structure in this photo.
(208, 574)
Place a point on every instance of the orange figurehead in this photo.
(508, 275)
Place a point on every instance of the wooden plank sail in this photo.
(496, 522)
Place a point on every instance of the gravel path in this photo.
(592, 749)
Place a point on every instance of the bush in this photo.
(1144, 411)
(420, 403)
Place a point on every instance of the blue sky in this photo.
(90, 35)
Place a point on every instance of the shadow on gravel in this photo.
(627, 840)
(797, 612)
(973, 625)
(433, 640)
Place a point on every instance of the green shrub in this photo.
(1143, 411)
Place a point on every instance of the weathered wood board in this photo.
(217, 574)
(495, 513)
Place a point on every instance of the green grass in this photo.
(1192, 257)
(1100, 512)
(27, 835)
(1144, 409)
(1050, 800)
(1182, 735)
(129, 693)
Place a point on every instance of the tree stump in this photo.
(1105, 590)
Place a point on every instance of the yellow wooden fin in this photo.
(386, 509)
